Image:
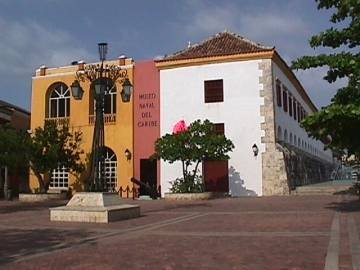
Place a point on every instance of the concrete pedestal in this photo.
(96, 207)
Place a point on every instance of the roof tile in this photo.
(224, 43)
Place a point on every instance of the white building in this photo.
(250, 92)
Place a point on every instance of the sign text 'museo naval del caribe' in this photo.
(147, 110)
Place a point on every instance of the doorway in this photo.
(216, 175)
(148, 174)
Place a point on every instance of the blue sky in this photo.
(57, 32)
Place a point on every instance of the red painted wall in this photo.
(146, 113)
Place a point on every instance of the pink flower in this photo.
(180, 127)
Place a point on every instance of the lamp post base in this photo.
(94, 207)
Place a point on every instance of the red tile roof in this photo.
(224, 43)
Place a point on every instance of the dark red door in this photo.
(216, 177)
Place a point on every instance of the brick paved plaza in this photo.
(297, 232)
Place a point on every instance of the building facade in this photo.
(246, 89)
(52, 101)
(249, 90)
(19, 119)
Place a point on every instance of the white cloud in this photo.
(24, 46)
(268, 25)
(211, 20)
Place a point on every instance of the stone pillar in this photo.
(274, 176)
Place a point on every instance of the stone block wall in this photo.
(283, 166)
(274, 174)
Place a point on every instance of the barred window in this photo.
(110, 167)
(60, 178)
(214, 91)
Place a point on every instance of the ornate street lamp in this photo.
(101, 78)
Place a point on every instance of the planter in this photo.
(194, 196)
(41, 197)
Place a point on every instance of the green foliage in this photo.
(53, 146)
(187, 185)
(198, 143)
(341, 119)
(13, 149)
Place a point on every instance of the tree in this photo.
(53, 146)
(198, 143)
(339, 121)
(13, 149)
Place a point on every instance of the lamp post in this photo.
(101, 78)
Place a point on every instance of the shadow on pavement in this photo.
(17, 243)
(14, 207)
(348, 205)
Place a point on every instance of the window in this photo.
(291, 138)
(60, 178)
(298, 112)
(290, 105)
(301, 113)
(110, 98)
(59, 101)
(285, 100)
(213, 91)
(278, 92)
(110, 168)
(219, 129)
(294, 107)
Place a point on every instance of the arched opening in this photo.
(110, 169)
(58, 101)
(109, 97)
(279, 134)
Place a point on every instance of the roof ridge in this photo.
(248, 40)
(214, 36)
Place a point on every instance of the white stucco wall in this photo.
(182, 97)
(288, 123)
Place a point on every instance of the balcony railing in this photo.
(59, 120)
(109, 119)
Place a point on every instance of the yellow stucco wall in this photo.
(118, 135)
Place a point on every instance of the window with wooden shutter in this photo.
(294, 106)
(278, 92)
(285, 100)
(219, 128)
(290, 105)
(213, 91)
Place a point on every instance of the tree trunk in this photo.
(42, 186)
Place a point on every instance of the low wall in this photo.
(33, 197)
(194, 196)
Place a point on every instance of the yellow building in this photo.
(52, 101)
